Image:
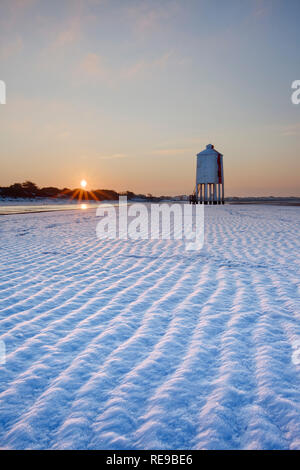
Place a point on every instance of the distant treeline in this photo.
(31, 190)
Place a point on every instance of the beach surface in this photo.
(121, 344)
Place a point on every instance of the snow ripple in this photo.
(130, 345)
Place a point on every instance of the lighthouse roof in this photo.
(210, 150)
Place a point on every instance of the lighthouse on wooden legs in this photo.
(209, 177)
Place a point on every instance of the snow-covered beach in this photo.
(119, 344)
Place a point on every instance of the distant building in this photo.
(209, 177)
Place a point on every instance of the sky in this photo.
(125, 93)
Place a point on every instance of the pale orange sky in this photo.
(124, 94)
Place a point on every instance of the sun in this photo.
(83, 184)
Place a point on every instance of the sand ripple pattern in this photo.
(140, 345)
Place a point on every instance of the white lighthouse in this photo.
(209, 177)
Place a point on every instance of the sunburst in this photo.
(81, 194)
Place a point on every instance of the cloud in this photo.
(92, 66)
(262, 8)
(144, 66)
(148, 18)
(292, 130)
(71, 27)
(113, 156)
(64, 134)
(171, 151)
(13, 11)
(69, 34)
(23, 3)
(10, 49)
